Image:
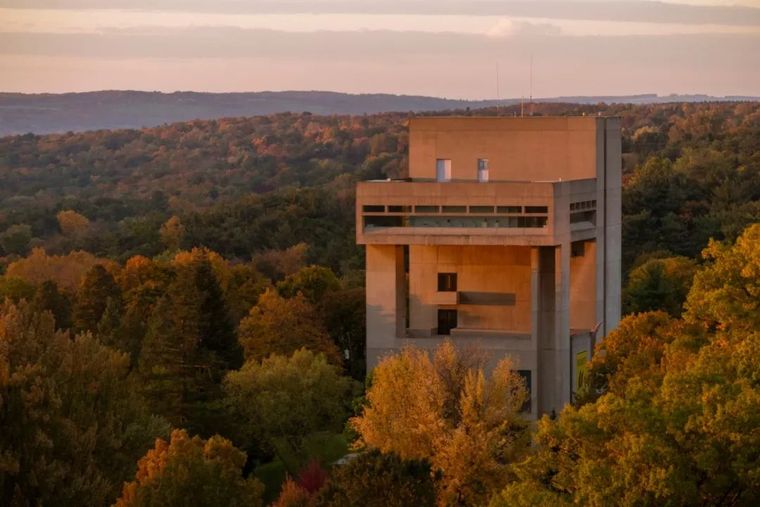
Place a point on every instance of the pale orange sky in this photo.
(446, 48)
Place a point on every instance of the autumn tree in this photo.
(374, 479)
(314, 282)
(72, 224)
(72, 421)
(191, 471)
(48, 298)
(65, 270)
(15, 289)
(281, 400)
(726, 294)
(281, 326)
(172, 232)
(97, 290)
(675, 420)
(447, 411)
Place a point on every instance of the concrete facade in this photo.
(506, 235)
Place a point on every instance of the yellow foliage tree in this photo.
(281, 326)
(72, 224)
(191, 471)
(172, 232)
(66, 271)
(448, 411)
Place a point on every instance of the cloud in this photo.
(623, 10)
(506, 27)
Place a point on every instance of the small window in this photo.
(509, 209)
(482, 170)
(577, 249)
(455, 209)
(443, 170)
(447, 282)
(536, 209)
(426, 209)
(447, 320)
(373, 208)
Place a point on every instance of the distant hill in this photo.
(48, 113)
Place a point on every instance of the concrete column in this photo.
(613, 223)
(545, 330)
(385, 299)
(535, 326)
(562, 325)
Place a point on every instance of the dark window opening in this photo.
(536, 209)
(509, 209)
(481, 209)
(447, 282)
(447, 320)
(383, 221)
(373, 208)
(578, 249)
(455, 209)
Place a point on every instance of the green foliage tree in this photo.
(374, 479)
(281, 400)
(281, 326)
(447, 411)
(344, 314)
(15, 239)
(96, 290)
(15, 289)
(72, 421)
(314, 282)
(191, 472)
(659, 284)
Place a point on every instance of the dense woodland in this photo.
(183, 324)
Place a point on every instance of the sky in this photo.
(472, 49)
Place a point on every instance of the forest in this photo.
(182, 323)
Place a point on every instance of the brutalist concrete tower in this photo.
(506, 235)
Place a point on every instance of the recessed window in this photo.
(447, 282)
(447, 320)
(536, 209)
(509, 209)
(577, 249)
(482, 170)
(481, 209)
(373, 208)
(443, 169)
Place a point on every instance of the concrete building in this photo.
(506, 235)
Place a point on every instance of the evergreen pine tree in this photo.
(181, 370)
(217, 332)
(92, 298)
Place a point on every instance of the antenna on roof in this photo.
(498, 95)
(530, 101)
